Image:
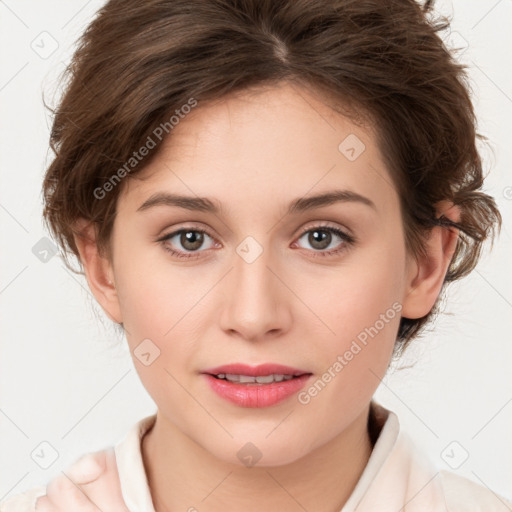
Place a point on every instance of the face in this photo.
(317, 287)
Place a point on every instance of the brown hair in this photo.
(139, 62)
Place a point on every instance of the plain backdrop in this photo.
(67, 382)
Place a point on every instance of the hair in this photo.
(138, 63)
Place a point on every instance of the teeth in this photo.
(247, 379)
(268, 378)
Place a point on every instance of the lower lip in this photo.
(256, 395)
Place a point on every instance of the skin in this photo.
(254, 153)
(91, 484)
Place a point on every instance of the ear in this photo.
(98, 269)
(426, 276)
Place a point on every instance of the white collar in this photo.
(134, 483)
(398, 476)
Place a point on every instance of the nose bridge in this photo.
(252, 263)
(254, 305)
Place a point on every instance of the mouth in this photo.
(261, 374)
(260, 379)
(256, 386)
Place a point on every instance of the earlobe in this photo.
(425, 281)
(98, 269)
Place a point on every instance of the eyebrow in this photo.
(302, 204)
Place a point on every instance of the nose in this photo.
(256, 305)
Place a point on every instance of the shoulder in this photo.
(464, 495)
(24, 501)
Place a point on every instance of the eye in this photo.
(190, 239)
(321, 237)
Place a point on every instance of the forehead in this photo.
(262, 147)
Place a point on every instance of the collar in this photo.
(130, 466)
(397, 477)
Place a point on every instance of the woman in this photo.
(268, 198)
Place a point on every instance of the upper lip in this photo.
(255, 371)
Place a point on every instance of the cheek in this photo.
(362, 307)
(157, 304)
(354, 296)
(155, 293)
(146, 307)
(360, 303)
(162, 302)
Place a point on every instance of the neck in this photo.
(182, 475)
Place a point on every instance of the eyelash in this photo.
(348, 241)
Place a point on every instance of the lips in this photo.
(261, 370)
(256, 386)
